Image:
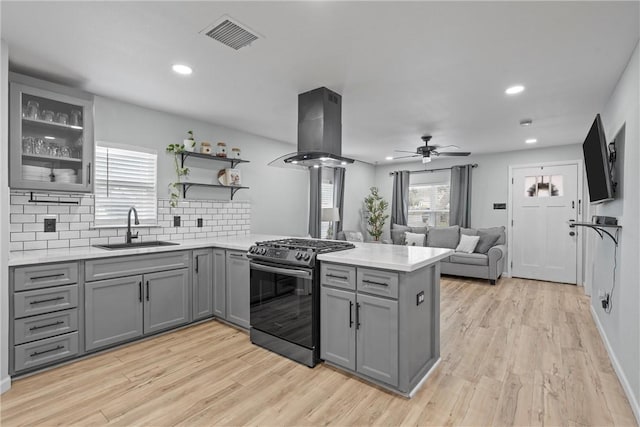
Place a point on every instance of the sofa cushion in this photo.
(467, 243)
(353, 236)
(468, 231)
(495, 230)
(486, 242)
(444, 237)
(471, 259)
(414, 239)
(397, 233)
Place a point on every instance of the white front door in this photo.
(545, 199)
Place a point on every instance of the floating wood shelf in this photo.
(232, 188)
(186, 154)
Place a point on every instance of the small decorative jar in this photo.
(205, 148)
(235, 153)
(48, 115)
(221, 149)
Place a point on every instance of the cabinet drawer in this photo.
(378, 282)
(45, 326)
(340, 276)
(109, 268)
(44, 276)
(46, 300)
(33, 354)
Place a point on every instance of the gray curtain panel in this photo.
(400, 198)
(338, 198)
(460, 196)
(315, 201)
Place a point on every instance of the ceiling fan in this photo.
(426, 151)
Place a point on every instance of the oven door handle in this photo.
(284, 271)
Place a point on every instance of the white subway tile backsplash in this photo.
(74, 223)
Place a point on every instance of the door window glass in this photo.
(543, 186)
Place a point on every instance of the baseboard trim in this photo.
(5, 384)
(631, 397)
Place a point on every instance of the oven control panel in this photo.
(282, 255)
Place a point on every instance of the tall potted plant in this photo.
(375, 207)
(174, 187)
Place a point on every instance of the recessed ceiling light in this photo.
(531, 141)
(526, 122)
(182, 69)
(294, 162)
(316, 166)
(388, 158)
(514, 90)
(343, 163)
(49, 137)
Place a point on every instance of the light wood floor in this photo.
(519, 353)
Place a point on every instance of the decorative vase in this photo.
(189, 145)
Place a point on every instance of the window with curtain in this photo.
(327, 198)
(429, 204)
(125, 177)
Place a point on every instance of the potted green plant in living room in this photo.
(375, 207)
(174, 187)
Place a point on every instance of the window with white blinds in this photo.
(327, 198)
(125, 177)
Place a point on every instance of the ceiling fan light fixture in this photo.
(426, 159)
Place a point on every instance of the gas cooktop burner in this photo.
(318, 246)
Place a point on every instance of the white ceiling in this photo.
(403, 69)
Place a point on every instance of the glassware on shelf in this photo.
(62, 118)
(38, 146)
(76, 118)
(65, 152)
(27, 145)
(33, 109)
(48, 115)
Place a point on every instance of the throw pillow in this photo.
(353, 236)
(414, 239)
(443, 237)
(495, 230)
(397, 233)
(486, 242)
(467, 243)
(468, 231)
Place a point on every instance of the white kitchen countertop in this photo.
(389, 257)
(241, 243)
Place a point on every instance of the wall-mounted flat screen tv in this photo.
(596, 161)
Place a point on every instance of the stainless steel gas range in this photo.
(285, 296)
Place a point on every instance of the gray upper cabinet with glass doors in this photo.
(51, 136)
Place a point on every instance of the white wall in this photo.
(277, 195)
(489, 181)
(359, 177)
(621, 327)
(5, 380)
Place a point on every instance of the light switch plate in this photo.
(176, 221)
(49, 225)
(200, 222)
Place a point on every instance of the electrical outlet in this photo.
(420, 298)
(200, 222)
(602, 294)
(176, 221)
(49, 225)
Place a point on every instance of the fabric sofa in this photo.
(489, 265)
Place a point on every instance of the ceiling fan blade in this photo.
(406, 157)
(404, 151)
(455, 154)
(446, 146)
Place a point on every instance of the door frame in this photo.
(581, 213)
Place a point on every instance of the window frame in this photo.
(435, 211)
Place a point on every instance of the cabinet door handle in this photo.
(237, 255)
(350, 314)
(372, 282)
(38, 353)
(89, 174)
(357, 315)
(197, 263)
(40, 301)
(34, 328)
(140, 291)
(147, 290)
(50, 276)
(338, 277)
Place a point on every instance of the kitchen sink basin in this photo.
(135, 245)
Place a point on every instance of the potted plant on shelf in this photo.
(375, 207)
(174, 187)
(190, 143)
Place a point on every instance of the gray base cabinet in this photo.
(238, 288)
(220, 283)
(202, 284)
(338, 329)
(166, 302)
(113, 311)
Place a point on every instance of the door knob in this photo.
(572, 233)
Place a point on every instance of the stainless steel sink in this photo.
(135, 245)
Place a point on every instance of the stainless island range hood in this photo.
(319, 132)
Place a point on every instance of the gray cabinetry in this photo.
(51, 136)
(237, 288)
(113, 311)
(166, 302)
(220, 283)
(338, 329)
(202, 284)
(377, 338)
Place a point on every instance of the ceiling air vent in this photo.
(231, 33)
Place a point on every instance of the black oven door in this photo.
(282, 302)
